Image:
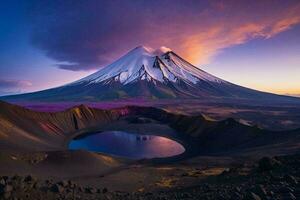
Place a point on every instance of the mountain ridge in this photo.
(157, 64)
(151, 74)
(29, 130)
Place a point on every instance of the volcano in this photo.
(149, 74)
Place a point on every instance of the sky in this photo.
(45, 44)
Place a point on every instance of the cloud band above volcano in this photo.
(90, 34)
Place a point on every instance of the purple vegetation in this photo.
(61, 106)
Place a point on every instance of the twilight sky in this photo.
(251, 43)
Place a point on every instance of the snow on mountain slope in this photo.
(144, 63)
(149, 74)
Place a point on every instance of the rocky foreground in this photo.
(270, 178)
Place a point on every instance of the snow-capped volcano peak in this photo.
(147, 64)
(141, 50)
(148, 74)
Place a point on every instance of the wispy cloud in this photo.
(93, 33)
(10, 83)
(203, 45)
(10, 86)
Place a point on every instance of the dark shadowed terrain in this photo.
(284, 116)
(221, 161)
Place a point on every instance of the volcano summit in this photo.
(151, 74)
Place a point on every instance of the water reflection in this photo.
(128, 145)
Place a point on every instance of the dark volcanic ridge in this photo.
(220, 161)
(23, 129)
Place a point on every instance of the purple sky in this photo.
(49, 43)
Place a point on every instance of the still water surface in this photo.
(128, 145)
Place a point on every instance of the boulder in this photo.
(2, 181)
(90, 190)
(64, 183)
(291, 179)
(253, 196)
(29, 178)
(105, 190)
(8, 188)
(57, 188)
(267, 164)
(7, 195)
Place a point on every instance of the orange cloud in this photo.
(284, 25)
(197, 30)
(202, 45)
